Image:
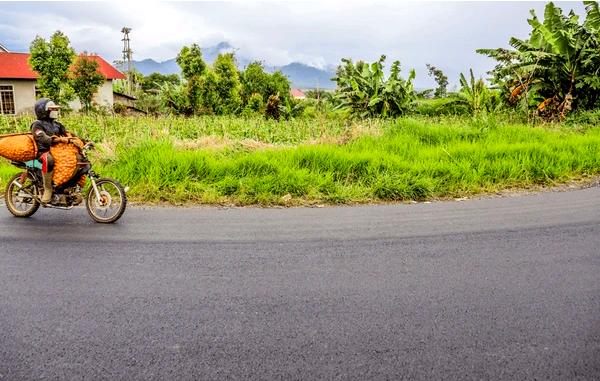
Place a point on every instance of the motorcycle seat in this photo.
(33, 164)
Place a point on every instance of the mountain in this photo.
(308, 77)
(300, 75)
(148, 66)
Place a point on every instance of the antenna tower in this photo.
(127, 53)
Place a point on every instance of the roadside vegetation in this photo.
(219, 134)
(253, 161)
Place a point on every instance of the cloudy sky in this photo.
(319, 33)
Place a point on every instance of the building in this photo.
(18, 90)
(297, 94)
(125, 104)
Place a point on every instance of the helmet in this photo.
(46, 109)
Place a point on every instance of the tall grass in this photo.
(405, 159)
(127, 130)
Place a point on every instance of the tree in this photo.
(254, 80)
(228, 84)
(86, 79)
(192, 67)
(174, 99)
(279, 84)
(557, 68)
(209, 92)
(272, 110)
(476, 95)
(51, 60)
(363, 89)
(134, 78)
(255, 103)
(440, 79)
(154, 81)
(191, 62)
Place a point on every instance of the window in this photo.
(7, 100)
(38, 93)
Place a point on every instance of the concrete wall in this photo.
(104, 96)
(24, 93)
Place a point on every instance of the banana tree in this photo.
(557, 65)
(476, 95)
(363, 89)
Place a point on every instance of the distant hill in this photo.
(307, 77)
(149, 66)
(300, 75)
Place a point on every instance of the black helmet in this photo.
(42, 107)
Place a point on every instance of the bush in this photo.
(119, 108)
(441, 106)
(255, 103)
(272, 111)
(584, 118)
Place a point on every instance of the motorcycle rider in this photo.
(47, 132)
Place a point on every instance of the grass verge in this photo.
(405, 159)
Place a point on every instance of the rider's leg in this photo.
(47, 172)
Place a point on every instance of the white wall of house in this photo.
(24, 95)
(103, 97)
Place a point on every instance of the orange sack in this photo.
(18, 147)
(65, 161)
(22, 147)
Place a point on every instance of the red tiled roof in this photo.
(16, 66)
(107, 69)
(297, 93)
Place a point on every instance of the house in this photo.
(125, 104)
(124, 99)
(18, 90)
(297, 94)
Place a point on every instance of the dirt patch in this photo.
(205, 142)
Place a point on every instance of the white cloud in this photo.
(315, 32)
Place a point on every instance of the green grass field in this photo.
(252, 161)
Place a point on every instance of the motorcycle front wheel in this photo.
(111, 203)
(19, 201)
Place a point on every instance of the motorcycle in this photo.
(105, 200)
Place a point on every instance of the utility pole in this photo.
(318, 92)
(319, 105)
(127, 57)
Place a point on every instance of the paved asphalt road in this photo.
(504, 288)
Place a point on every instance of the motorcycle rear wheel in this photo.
(18, 202)
(112, 203)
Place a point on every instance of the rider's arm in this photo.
(63, 131)
(65, 136)
(40, 136)
(71, 137)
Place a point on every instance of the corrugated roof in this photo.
(16, 66)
